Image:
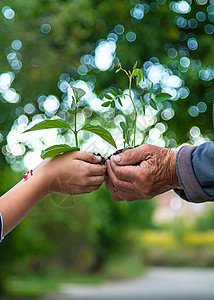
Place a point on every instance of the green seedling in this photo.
(129, 128)
(63, 124)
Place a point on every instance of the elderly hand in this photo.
(73, 173)
(154, 174)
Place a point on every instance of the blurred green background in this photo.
(48, 45)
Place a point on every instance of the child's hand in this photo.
(73, 173)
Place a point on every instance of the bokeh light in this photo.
(192, 44)
(16, 45)
(119, 29)
(193, 111)
(104, 55)
(200, 16)
(131, 36)
(138, 11)
(45, 28)
(8, 12)
(182, 7)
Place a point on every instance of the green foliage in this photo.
(62, 124)
(108, 96)
(205, 221)
(103, 133)
(82, 237)
(75, 29)
(47, 124)
(56, 150)
(51, 235)
(78, 93)
(160, 97)
(9, 252)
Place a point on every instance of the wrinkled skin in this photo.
(155, 174)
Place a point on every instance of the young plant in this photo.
(126, 127)
(63, 124)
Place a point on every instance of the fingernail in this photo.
(117, 158)
(98, 158)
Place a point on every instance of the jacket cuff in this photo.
(192, 190)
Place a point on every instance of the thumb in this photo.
(88, 157)
(132, 156)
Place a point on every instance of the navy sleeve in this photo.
(1, 228)
(203, 165)
(195, 169)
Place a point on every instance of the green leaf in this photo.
(144, 110)
(153, 104)
(135, 65)
(120, 91)
(120, 102)
(151, 90)
(129, 132)
(133, 124)
(57, 149)
(113, 104)
(127, 120)
(163, 97)
(123, 126)
(136, 72)
(142, 74)
(113, 92)
(124, 129)
(141, 99)
(78, 93)
(47, 124)
(107, 96)
(103, 133)
(106, 104)
(140, 77)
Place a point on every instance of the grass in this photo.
(33, 286)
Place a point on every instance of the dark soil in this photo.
(122, 150)
(116, 152)
(103, 161)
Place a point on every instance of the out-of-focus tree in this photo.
(48, 45)
(83, 237)
(205, 221)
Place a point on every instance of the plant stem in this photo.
(75, 126)
(125, 73)
(135, 126)
(135, 110)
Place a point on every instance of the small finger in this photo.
(92, 188)
(95, 180)
(96, 169)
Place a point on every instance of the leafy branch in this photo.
(137, 75)
(63, 124)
